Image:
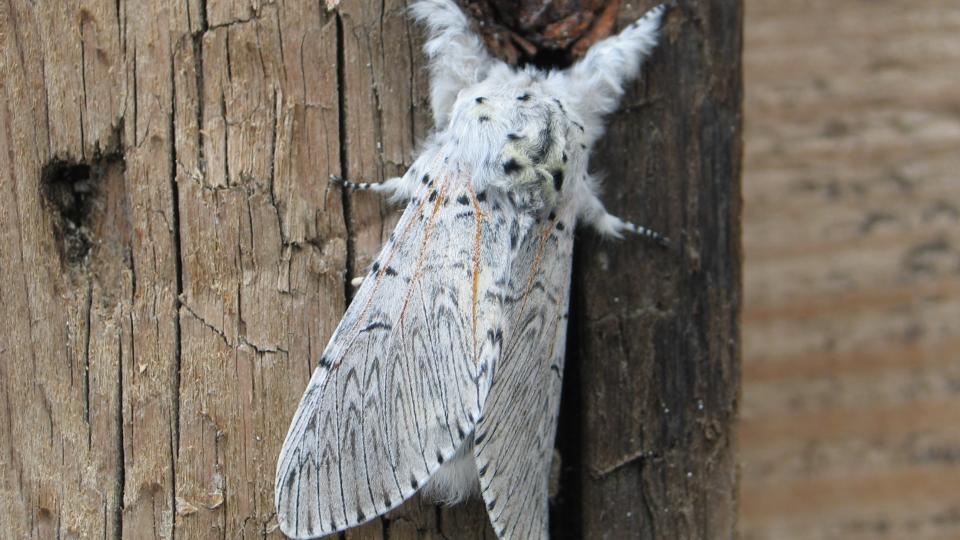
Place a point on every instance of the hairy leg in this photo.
(391, 187)
(594, 214)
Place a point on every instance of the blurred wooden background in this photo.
(851, 327)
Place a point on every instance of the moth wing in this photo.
(514, 438)
(404, 378)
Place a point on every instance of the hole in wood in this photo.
(70, 189)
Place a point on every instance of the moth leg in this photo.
(391, 187)
(594, 214)
(598, 81)
(458, 58)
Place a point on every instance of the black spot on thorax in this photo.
(558, 180)
(511, 166)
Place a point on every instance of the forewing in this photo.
(404, 378)
(514, 437)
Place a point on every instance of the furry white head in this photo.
(526, 130)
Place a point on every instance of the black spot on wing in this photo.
(290, 479)
(425, 179)
(483, 118)
(511, 166)
(377, 326)
(390, 271)
(480, 99)
(523, 97)
(463, 199)
(482, 196)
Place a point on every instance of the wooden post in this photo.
(175, 260)
(655, 367)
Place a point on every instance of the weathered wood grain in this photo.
(656, 331)
(851, 341)
(176, 259)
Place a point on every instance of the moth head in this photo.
(538, 141)
(589, 90)
(537, 126)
